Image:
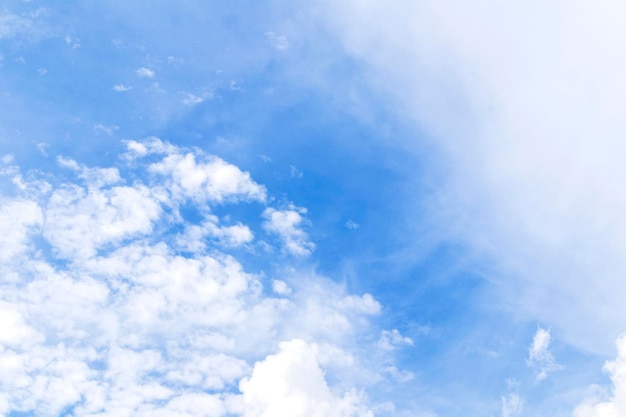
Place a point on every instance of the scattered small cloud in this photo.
(73, 42)
(279, 42)
(190, 99)
(157, 88)
(42, 71)
(108, 130)
(7, 159)
(120, 88)
(351, 224)
(399, 375)
(295, 172)
(145, 72)
(287, 225)
(12, 25)
(512, 405)
(539, 356)
(391, 340)
(41, 147)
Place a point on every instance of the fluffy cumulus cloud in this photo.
(291, 383)
(601, 403)
(209, 180)
(115, 304)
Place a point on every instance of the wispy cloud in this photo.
(12, 25)
(279, 42)
(539, 356)
(120, 88)
(512, 405)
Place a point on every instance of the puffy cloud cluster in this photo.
(113, 304)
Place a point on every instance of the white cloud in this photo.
(352, 225)
(118, 320)
(286, 224)
(279, 42)
(145, 72)
(18, 219)
(153, 145)
(539, 356)
(12, 25)
(120, 88)
(512, 405)
(280, 287)
(13, 329)
(602, 404)
(79, 221)
(529, 125)
(292, 384)
(190, 99)
(392, 339)
(194, 237)
(214, 180)
(105, 129)
(191, 174)
(295, 172)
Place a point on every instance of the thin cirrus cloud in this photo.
(116, 320)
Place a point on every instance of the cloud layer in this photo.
(116, 304)
(528, 125)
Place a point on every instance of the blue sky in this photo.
(268, 209)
